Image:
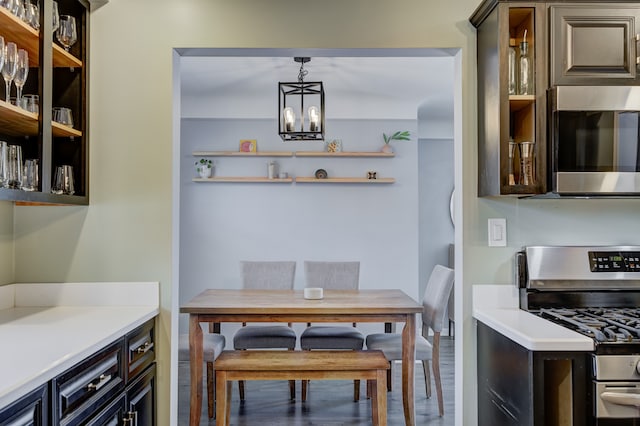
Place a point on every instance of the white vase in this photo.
(204, 171)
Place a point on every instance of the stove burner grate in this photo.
(602, 324)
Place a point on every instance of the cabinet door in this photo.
(141, 398)
(594, 44)
(30, 410)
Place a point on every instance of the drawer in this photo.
(113, 415)
(141, 350)
(84, 389)
(29, 410)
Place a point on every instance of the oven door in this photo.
(595, 140)
(616, 400)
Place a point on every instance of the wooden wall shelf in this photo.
(243, 179)
(62, 130)
(344, 180)
(343, 154)
(17, 121)
(242, 154)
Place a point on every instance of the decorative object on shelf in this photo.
(512, 148)
(297, 100)
(321, 174)
(271, 169)
(30, 175)
(4, 164)
(397, 136)
(283, 175)
(248, 145)
(14, 178)
(525, 82)
(10, 66)
(513, 56)
(63, 181)
(63, 116)
(372, 175)
(526, 163)
(204, 168)
(66, 33)
(334, 145)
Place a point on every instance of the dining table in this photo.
(216, 306)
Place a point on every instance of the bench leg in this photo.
(210, 389)
(372, 388)
(223, 398)
(381, 398)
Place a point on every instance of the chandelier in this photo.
(301, 107)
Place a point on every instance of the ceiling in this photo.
(222, 83)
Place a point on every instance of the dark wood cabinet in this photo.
(60, 79)
(504, 116)
(517, 386)
(594, 44)
(141, 398)
(31, 409)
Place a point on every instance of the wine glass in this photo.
(1, 52)
(56, 17)
(10, 65)
(21, 73)
(66, 33)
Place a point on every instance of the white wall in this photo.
(223, 223)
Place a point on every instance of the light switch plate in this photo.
(497, 232)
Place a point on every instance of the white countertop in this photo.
(47, 328)
(498, 307)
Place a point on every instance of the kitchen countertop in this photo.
(498, 307)
(47, 328)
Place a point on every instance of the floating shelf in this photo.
(243, 179)
(344, 180)
(242, 154)
(62, 130)
(342, 154)
(518, 102)
(17, 121)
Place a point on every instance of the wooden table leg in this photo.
(408, 366)
(195, 368)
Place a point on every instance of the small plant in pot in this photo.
(204, 168)
(397, 136)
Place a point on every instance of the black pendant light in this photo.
(301, 108)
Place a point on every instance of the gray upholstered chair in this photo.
(332, 276)
(212, 346)
(274, 276)
(434, 306)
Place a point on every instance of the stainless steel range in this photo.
(594, 291)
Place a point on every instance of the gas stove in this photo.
(594, 291)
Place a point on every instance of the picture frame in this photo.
(248, 145)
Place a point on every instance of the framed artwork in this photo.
(248, 145)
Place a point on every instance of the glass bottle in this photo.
(512, 148)
(525, 80)
(512, 67)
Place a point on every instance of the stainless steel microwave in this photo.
(595, 140)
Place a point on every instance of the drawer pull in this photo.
(130, 418)
(102, 380)
(143, 348)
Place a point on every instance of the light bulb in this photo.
(289, 119)
(314, 119)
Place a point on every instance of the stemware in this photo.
(10, 66)
(1, 52)
(21, 73)
(66, 33)
(56, 17)
(31, 14)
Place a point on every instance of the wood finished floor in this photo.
(330, 402)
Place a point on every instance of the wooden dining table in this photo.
(223, 306)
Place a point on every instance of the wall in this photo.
(221, 224)
(6, 243)
(126, 231)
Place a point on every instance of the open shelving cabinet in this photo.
(60, 79)
(503, 116)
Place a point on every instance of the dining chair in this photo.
(212, 346)
(434, 304)
(273, 275)
(332, 276)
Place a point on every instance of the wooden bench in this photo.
(302, 365)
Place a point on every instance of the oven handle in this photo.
(621, 398)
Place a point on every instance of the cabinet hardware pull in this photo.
(102, 380)
(130, 418)
(637, 39)
(143, 348)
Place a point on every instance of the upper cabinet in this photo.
(512, 82)
(56, 133)
(594, 44)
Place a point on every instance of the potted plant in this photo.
(204, 168)
(397, 136)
